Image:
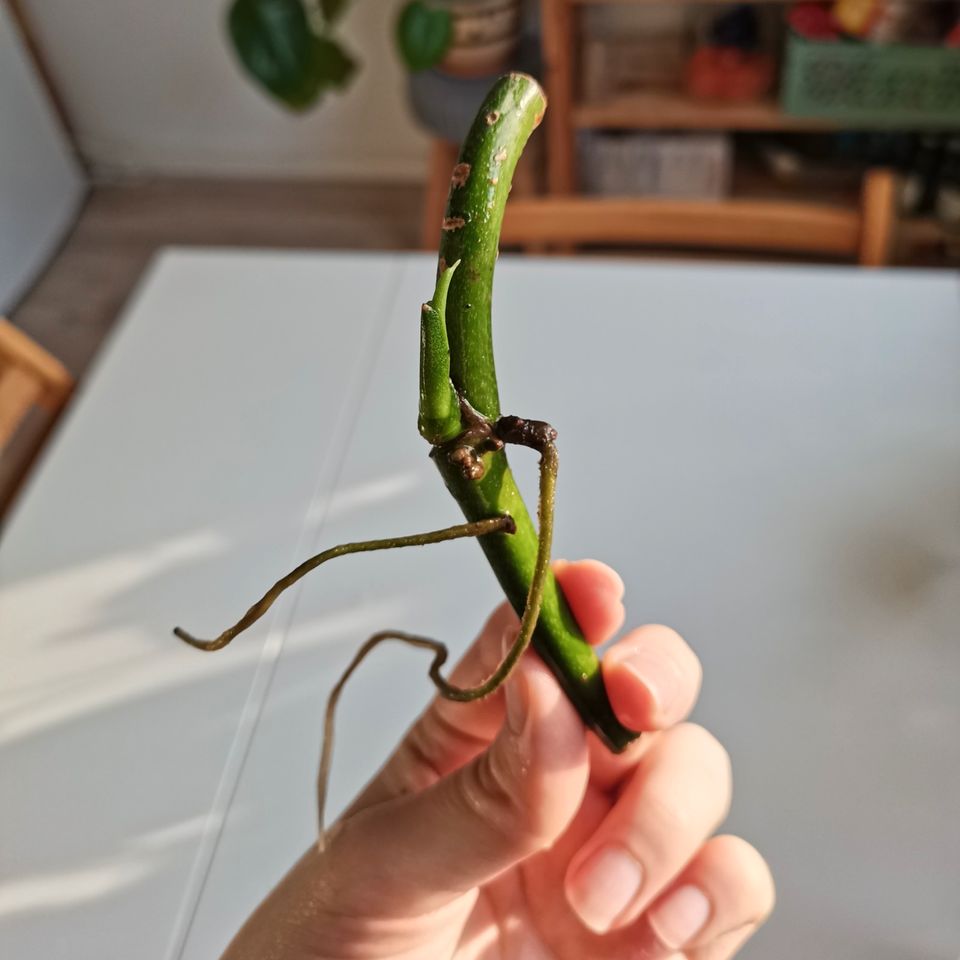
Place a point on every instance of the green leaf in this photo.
(333, 9)
(333, 64)
(423, 34)
(277, 47)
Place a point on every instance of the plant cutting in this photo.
(460, 417)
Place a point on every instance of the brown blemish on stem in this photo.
(460, 173)
(425, 308)
(452, 223)
(442, 266)
(500, 155)
(492, 117)
(494, 181)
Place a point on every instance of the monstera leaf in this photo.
(280, 49)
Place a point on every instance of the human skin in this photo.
(503, 830)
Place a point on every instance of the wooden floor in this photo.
(74, 304)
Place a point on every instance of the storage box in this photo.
(610, 66)
(869, 84)
(694, 166)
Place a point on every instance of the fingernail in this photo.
(517, 703)
(603, 886)
(659, 674)
(680, 916)
(621, 587)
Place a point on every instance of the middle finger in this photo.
(653, 679)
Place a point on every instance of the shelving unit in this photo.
(635, 110)
(651, 3)
(569, 113)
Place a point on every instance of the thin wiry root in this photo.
(479, 528)
(440, 656)
(540, 436)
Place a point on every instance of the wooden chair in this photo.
(29, 377)
(864, 233)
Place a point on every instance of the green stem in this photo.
(470, 234)
(470, 231)
(533, 601)
(439, 405)
(446, 689)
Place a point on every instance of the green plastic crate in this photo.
(863, 84)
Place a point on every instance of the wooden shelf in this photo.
(662, 3)
(666, 110)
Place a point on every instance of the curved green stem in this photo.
(502, 525)
(470, 234)
(470, 231)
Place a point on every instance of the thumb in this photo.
(417, 852)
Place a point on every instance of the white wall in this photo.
(40, 184)
(152, 87)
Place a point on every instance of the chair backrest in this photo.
(864, 233)
(29, 376)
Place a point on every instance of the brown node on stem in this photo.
(460, 173)
(469, 462)
(478, 437)
(492, 117)
(452, 223)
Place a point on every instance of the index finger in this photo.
(449, 734)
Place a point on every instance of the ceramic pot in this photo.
(485, 34)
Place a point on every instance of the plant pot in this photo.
(485, 34)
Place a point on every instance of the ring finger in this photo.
(675, 798)
(711, 908)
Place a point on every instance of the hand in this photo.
(502, 829)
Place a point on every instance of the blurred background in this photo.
(825, 132)
(793, 447)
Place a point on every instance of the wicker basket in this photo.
(864, 84)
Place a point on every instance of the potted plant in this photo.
(290, 47)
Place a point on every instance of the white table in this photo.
(785, 492)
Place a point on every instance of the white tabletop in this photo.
(776, 474)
